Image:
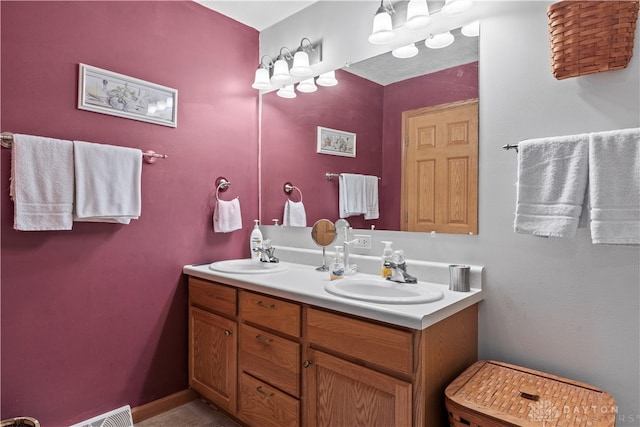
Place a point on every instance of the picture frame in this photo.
(106, 92)
(336, 142)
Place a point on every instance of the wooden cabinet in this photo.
(341, 393)
(277, 363)
(213, 343)
(269, 361)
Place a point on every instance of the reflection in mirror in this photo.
(323, 234)
(371, 110)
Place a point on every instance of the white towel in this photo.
(227, 216)
(552, 180)
(358, 194)
(614, 186)
(41, 183)
(294, 214)
(107, 183)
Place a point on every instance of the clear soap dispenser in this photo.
(336, 269)
(387, 257)
(255, 241)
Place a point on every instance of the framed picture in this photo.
(336, 142)
(111, 93)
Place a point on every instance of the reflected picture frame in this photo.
(107, 92)
(336, 142)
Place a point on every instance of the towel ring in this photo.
(288, 189)
(222, 185)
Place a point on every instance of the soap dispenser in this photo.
(336, 269)
(387, 256)
(255, 241)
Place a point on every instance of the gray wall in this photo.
(564, 306)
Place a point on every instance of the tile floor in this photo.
(196, 413)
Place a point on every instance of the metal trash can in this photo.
(20, 422)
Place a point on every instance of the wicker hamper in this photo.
(495, 394)
(591, 36)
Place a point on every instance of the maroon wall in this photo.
(289, 143)
(96, 317)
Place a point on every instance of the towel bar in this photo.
(330, 176)
(149, 156)
(288, 189)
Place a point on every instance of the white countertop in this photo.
(302, 283)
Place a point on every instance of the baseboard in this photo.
(151, 409)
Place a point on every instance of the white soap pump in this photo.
(255, 241)
(387, 256)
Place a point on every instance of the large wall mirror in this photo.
(376, 99)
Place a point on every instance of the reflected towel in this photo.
(358, 194)
(552, 180)
(294, 214)
(41, 183)
(614, 186)
(227, 216)
(107, 183)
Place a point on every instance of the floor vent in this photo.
(120, 417)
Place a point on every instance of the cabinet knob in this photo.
(263, 305)
(307, 363)
(228, 333)
(263, 339)
(262, 392)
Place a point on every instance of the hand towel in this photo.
(107, 183)
(614, 186)
(294, 214)
(41, 183)
(552, 181)
(358, 194)
(227, 216)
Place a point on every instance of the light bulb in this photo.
(262, 79)
(300, 67)
(382, 28)
(408, 51)
(472, 29)
(417, 15)
(327, 79)
(281, 72)
(286, 92)
(439, 41)
(456, 7)
(307, 86)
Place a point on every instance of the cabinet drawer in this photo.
(264, 406)
(273, 359)
(213, 296)
(377, 344)
(271, 313)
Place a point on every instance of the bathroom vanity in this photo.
(278, 350)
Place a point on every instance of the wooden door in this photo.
(440, 168)
(212, 357)
(343, 394)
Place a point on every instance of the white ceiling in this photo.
(258, 14)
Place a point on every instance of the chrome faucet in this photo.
(399, 269)
(266, 252)
(348, 268)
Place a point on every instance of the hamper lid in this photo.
(526, 397)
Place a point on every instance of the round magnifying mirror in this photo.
(323, 233)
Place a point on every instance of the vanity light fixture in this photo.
(307, 86)
(417, 15)
(261, 81)
(382, 26)
(281, 69)
(408, 51)
(456, 7)
(286, 92)
(472, 29)
(438, 41)
(327, 79)
(301, 67)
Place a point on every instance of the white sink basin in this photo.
(246, 266)
(383, 291)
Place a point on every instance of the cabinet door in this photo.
(213, 347)
(343, 394)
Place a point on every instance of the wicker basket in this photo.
(495, 394)
(591, 36)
